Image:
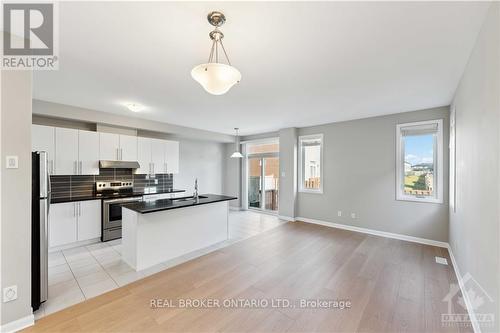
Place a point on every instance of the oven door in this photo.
(112, 212)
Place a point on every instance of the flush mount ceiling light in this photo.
(216, 77)
(134, 107)
(237, 153)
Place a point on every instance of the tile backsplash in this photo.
(79, 186)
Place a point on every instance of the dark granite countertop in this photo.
(125, 195)
(144, 207)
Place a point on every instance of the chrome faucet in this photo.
(195, 194)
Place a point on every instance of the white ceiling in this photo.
(302, 63)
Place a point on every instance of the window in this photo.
(419, 165)
(310, 163)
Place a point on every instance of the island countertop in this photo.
(144, 207)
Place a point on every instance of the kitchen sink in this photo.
(189, 198)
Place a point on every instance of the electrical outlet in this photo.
(339, 213)
(353, 215)
(9, 293)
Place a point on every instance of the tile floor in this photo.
(84, 272)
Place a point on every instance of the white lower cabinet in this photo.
(89, 220)
(62, 224)
(72, 222)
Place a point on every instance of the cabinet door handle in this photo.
(74, 209)
(121, 154)
(79, 209)
(75, 170)
(81, 167)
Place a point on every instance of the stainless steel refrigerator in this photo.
(40, 206)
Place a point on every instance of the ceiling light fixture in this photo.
(237, 153)
(216, 77)
(134, 107)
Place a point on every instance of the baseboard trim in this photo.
(465, 295)
(75, 244)
(18, 324)
(375, 232)
(286, 218)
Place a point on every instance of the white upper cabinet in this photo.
(109, 145)
(88, 153)
(77, 152)
(144, 155)
(66, 162)
(172, 156)
(43, 139)
(128, 148)
(116, 147)
(158, 156)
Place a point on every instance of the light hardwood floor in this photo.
(393, 286)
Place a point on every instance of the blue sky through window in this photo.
(419, 149)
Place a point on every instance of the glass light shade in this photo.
(236, 154)
(216, 78)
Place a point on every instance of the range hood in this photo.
(119, 164)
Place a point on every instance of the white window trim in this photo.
(301, 165)
(439, 161)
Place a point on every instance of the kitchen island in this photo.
(156, 231)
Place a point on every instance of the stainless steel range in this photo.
(114, 194)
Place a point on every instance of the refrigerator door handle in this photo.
(44, 249)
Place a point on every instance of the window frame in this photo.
(301, 163)
(438, 163)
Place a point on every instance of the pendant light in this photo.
(237, 153)
(216, 77)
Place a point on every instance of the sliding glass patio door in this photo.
(263, 182)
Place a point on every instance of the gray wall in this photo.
(359, 176)
(202, 160)
(474, 227)
(232, 175)
(15, 201)
(288, 173)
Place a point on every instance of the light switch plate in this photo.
(339, 213)
(353, 215)
(11, 162)
(441, 260)
(9, 293)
